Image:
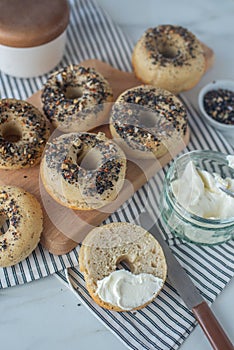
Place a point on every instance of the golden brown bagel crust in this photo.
(24, 214)
(106, 246)
(169, 57)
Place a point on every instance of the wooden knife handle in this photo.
(211, 327)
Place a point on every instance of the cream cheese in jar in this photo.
(198, 192)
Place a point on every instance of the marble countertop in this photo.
(45, 314)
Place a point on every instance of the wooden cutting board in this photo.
(65, 228)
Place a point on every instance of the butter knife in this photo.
(187, 290)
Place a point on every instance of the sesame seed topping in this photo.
(71, 90)
(143, 115)
(33, 129)
(62, 153)
(10, 209)
(219, 104)
(165, 46)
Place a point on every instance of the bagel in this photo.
(23, 134)
(101, 252)
(21, 222)
(83, 170)
(75, 98)
(147, 122)
(169, 57)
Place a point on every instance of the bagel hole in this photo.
(4, 224)
(147, 119)
(73, 92)
(88, 160)
(167, 51)
(123, 264)
(11, 132)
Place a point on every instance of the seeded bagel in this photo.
(76, 98)
(83, 170)
(147, 121)
(169, 57)
(21, 224)
(23, 134)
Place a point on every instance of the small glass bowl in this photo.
(226, 129)
(184, 224)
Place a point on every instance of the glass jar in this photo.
(183, 223)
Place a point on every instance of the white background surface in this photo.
(45, 314)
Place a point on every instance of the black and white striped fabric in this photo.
(165, 323)
(90, 35)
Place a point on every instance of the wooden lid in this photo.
(28, 23)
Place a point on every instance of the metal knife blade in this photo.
(176, 274)
(187, 290)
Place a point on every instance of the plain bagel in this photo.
(169, 57)
(21, 216)
(105, 247)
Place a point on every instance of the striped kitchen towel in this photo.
(87, 33)
(166, 322)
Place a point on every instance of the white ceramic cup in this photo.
(30, 62)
